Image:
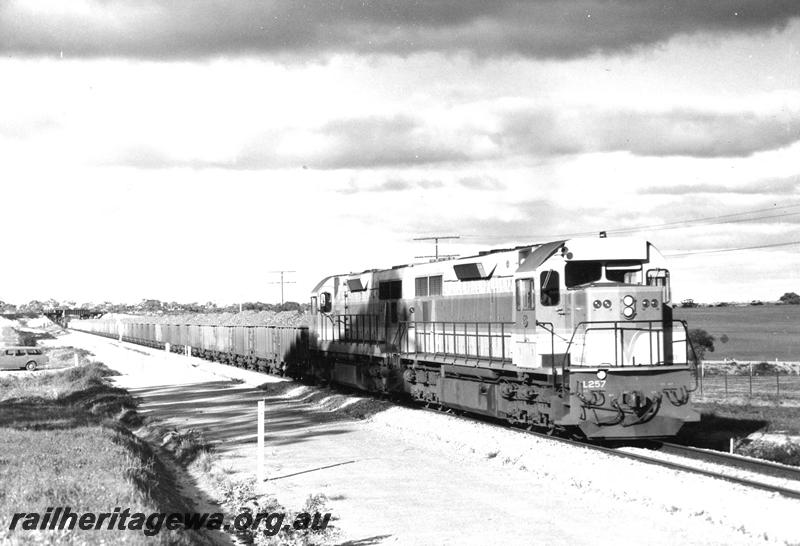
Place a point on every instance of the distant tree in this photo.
(258, 306)
(290, 306)
(790, 298)
(149, 306)
(702, 341)
(33, 306)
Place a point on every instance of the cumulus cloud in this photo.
(533, 28)
(675, 133)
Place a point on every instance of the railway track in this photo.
(760, 466)
(730, 467)
(758, 471)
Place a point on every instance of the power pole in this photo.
(282, 282)
(436, 240)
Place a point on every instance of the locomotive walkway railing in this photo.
(359, 328)
(484, 340)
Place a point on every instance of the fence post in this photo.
(778, 381)
(751, 380)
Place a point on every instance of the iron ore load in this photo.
(574, 335)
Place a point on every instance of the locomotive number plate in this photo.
(594, 384)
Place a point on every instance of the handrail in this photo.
(620, 326)
(458, 338)
(350, 327)
(552, 331)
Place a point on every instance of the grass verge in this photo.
(720, 422)
(63, 442)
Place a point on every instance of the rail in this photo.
(489, 340)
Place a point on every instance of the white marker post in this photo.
(166, 347)
(188, 351)
(260, 444)
(77, 359)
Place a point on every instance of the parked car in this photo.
(17, 358)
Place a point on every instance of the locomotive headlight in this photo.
(628, 312)
(628, 300)
(654, 303)
(601, 374)
(597, 304)
(645, 304)
(607, 304)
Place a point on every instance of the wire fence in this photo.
(757, 381)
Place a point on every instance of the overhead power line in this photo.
(695, 222)
(773, 245)
(282, 282)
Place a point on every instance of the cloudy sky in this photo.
(184, 150)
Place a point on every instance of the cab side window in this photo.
(526, 298)
(660, 277)
(550, 288)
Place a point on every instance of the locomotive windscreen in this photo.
(584, 272)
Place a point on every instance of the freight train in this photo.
(573, 335)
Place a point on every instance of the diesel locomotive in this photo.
(573, 335)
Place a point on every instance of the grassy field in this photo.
(759, 332)
(63, 443)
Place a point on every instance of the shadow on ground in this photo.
(227, 412)
(714, 431)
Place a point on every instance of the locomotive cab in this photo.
(594, 316)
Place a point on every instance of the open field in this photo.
(759, 332)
